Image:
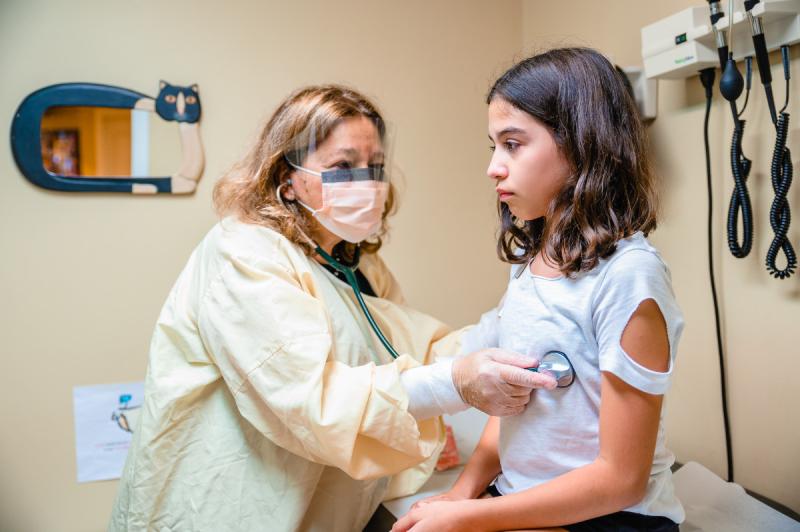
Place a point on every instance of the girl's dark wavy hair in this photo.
(611, 191)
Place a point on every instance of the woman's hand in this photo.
(495, 381)
(436, 516)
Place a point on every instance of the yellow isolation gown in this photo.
(270, 404)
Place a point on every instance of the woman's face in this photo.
(526, 163)
(353, 143)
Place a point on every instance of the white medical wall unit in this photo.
(682, 44)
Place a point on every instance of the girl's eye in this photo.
(492, 148)
(510, 146)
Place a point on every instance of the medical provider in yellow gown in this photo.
(270, 404)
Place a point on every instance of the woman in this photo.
(270, 404)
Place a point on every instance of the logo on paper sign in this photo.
(126, 415)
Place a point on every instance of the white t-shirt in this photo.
(583, 317)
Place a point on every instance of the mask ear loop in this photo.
(279, 197)
(308, 239)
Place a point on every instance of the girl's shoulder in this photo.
(634, 269)
(634, 252)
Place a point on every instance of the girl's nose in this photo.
(496, 170)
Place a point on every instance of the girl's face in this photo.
(526, 164)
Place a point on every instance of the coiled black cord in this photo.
(740, 198)
(779, 214)
(707, 79)
(731, 87)
(781, 172)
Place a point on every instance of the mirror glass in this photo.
(82, 141)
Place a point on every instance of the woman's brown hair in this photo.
(249, 190)
(611, 192)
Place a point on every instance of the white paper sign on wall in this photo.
(106, 415)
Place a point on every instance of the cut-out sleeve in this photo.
(632, 278)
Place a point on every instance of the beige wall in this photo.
(84, 276)
(759, 313)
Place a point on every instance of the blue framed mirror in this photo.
(88, 137)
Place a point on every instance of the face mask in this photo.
(352, 201)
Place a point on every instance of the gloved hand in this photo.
(495, 381)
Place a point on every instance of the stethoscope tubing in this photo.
(350, 275)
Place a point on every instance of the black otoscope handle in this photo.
(722, 51)
(716, 14)
(762, 58)
(785, 56)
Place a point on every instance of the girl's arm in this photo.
(617, 479)
(482, 467)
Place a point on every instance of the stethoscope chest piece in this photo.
(556, 364)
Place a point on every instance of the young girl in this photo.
(576, 197)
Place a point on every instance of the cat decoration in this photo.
(173, 103)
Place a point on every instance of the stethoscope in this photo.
(554, 363)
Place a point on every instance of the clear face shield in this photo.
(340, 175)
(355, 149)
